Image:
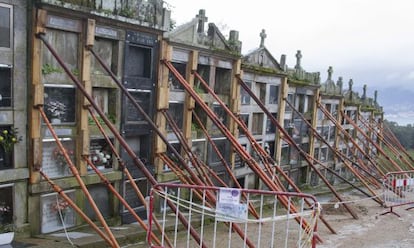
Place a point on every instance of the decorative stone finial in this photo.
(283, 62)
(330, 71)
(350, 89)
(364, 93)
(375, 96)
(262, 37)
(234, 40)
(202, 19)
(298, 58)
(234, 35)
(339, 83)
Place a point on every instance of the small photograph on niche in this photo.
(59, 104)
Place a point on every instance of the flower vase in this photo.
(6, 161)
(56, 120)
(6, 238)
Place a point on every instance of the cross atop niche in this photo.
(202, 19)
(262, 37)
(298, 58)
(330, 71)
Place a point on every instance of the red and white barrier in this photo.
(398, 190)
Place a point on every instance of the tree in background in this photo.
(405, 134)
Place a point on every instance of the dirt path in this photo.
(371, 229)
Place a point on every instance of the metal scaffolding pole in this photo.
(341, 156)
(75, 173)
(291, 142)
(385, 142)
(348, 136)
(118, 136)
(238, 148)
(396, 166)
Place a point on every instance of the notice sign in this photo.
(229, 195)
(229, 208)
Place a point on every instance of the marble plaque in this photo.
(53, 163)
(63, 23)
(55, 212)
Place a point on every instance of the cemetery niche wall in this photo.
(129, 50)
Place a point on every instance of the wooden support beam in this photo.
(234, 105)
(84, 140)
(35, 153)
(313, 123)
(189, 103)
(163, 92)
(284, 88)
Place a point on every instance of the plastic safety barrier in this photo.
(275, 227)
(398, 190)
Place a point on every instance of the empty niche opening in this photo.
(138, 61)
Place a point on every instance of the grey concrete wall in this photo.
(16, 116)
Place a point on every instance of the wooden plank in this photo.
(90, 35)
(313, 122)
(84, 140)
(162, 103)
(235, 95)
(234, 105)
(189, 103)
(41, 21)
(284, 87)
(35, 154)
(191, 66)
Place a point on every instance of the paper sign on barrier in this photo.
(229, 195)
(229, 207)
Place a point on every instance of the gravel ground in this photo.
(371, 230)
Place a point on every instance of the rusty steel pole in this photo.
(345, 133)
(123, 143)
(373, 143)
(341, 156)
(392, 149)
(291, 142)
(78, 178)
(75, 207)
(252, 164)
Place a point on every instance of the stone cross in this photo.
(298, 57)
(202, 18)
(330, 71)
(262, 37)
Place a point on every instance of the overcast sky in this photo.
(370, 41)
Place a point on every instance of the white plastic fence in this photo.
(228, 217)
(398, 190)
